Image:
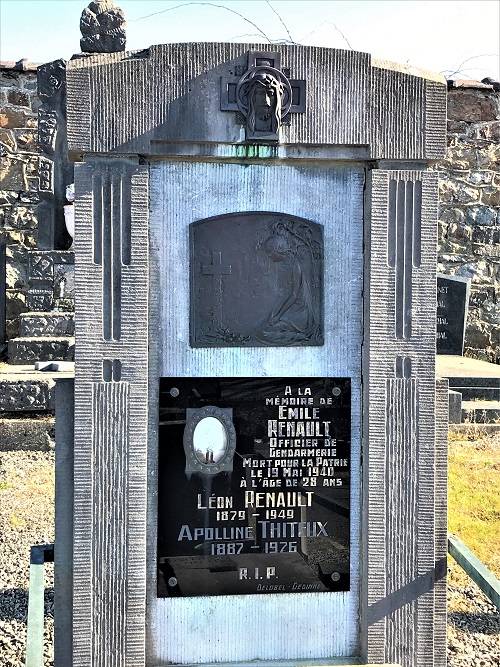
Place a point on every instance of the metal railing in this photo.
(44, 553)
(478, 572)
(39, 555)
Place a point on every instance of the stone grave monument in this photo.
(259, 439)
(452, 306)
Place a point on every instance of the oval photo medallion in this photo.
(209, 440)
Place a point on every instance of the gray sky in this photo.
(450, 36)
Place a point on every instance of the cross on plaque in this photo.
(217, 270)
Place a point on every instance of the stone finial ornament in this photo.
(103, 28)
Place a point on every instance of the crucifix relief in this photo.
(217, 270)
(268, 289)
(263, 95)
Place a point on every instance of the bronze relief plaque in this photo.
(256, 280)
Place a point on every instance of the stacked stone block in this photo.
(18, 182)
(469, 216)
(46, 331)
(39, 278)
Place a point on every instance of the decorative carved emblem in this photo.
(51, 80)
(102, 25)
(47, 129)
(264, 96)
(256, 280)
(45, 175)
(41, 267)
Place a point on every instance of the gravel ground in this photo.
(27, 518)
(473, 623)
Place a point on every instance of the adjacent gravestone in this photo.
(259, 465)
(452, 304)
(54, 169)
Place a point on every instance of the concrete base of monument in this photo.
(451, 365)
(26, 389)
(477, 384)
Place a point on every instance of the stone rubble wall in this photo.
(18, 182)
(469, 211)
(469, 216)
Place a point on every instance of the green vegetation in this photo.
(474, 495)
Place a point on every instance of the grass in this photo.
(474, 495)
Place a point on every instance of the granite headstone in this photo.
(452, 305)
(317, 162)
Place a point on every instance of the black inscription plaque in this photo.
(253, 486)
(256, 280)
(452, 305)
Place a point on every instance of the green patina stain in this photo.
(262, 151)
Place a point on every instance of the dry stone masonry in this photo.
(18, 183)
(39, 274)
(469, 212)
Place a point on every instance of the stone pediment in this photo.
(170, 95)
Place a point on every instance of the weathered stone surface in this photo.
(41, 267)
(480, 215)
(46, 324)
(29, 197)
(27, 350)
(477, 271)
(12, 118)
(459, 127)
(26, 139)
(452, 215)
(465, 155)
(480, 177)
(16, 276)
(491, 312)
(15, 303)
(13, 174)
(19, 395)
(64, 281)
(486, 235)
(491, 196)
(64, 305)
(41, 298)
(12, 328)
(102, 25)
(457, 191)
(18, 98)
(489, 131)
(7, 139)
(27, 434)
(25, 240)
(480, 295)
(472, 105)
(20, 216)
(477, 335)
(460, 233)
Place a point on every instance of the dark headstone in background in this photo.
(452, 304)
(55, 171)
